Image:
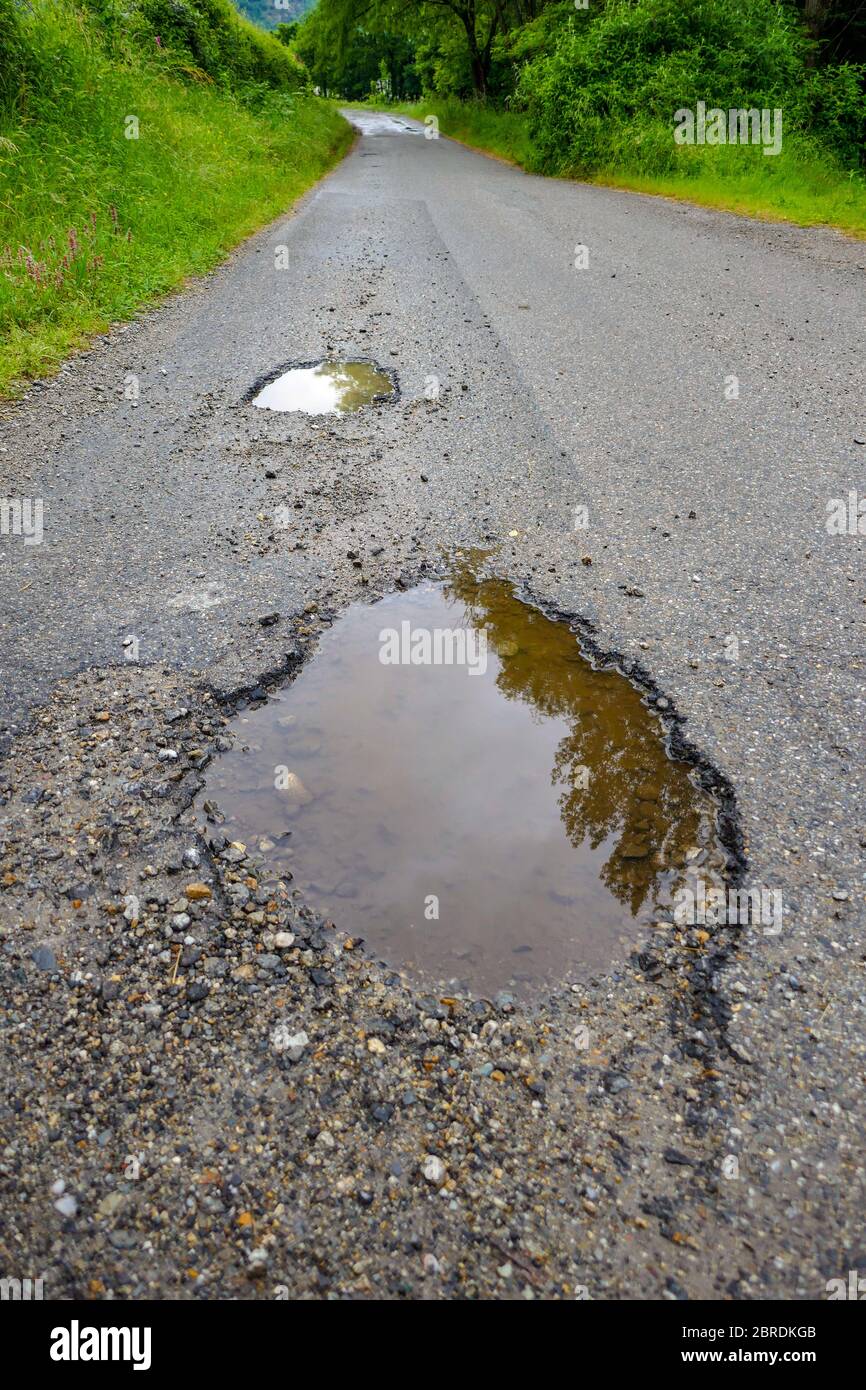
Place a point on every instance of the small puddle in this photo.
(494, 823)
(326, 388)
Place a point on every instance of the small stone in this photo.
(67, 1205)
(674, 1156)
(433, 1169)
(283, 940)
(44, 959)
(110, 1204)
(614, 1082)
(376, 1046)
(294, 789)
(198, 892)
(293, 1044)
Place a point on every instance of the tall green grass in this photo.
(801, 185)
(94, 224)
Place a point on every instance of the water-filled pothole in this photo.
(326, 388)
(452, 780)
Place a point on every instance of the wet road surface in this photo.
(647, 411)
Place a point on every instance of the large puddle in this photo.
(326, 388)
(450, 779)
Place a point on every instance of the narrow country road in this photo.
(696, 382)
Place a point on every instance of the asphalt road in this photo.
(598, 378)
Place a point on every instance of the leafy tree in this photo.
(457, 36)
(345, 58)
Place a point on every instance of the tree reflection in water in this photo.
(617, 783)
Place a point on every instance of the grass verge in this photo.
(796, 186)
(94, 224)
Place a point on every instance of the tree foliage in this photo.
(610, 82)
(610, 75)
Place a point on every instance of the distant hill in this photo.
(269, 13)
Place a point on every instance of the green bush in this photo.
(833, 106)
(199, 37)
(606, 90)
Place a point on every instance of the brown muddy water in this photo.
(327, 388)
(497, 822)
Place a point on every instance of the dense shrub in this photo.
(203, 38)
(833, 107)
(605, 91)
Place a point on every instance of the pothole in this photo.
(331, 387)
(452, 780)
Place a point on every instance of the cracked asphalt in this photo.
(696, 382)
